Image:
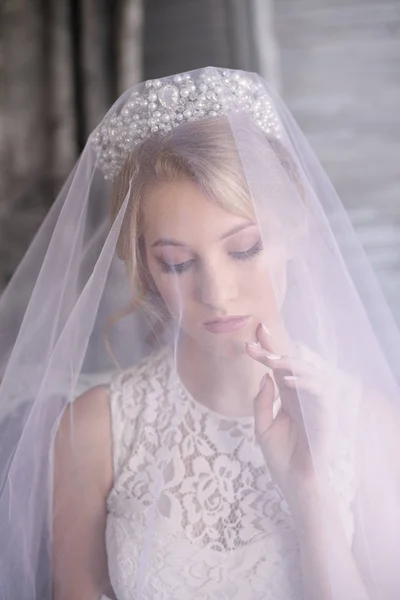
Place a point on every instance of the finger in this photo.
(264, 406)
(276, 362)
(264, 337)
(269, 343)
(304, 384)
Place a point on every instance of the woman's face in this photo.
(211, 268)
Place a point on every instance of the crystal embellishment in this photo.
(169, 96)
(158, 106)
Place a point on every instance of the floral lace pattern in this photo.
(193, 512)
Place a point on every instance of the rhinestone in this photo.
(182, 98)
(169, 96)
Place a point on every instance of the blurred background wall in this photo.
(336, 63)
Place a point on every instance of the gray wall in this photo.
(340, 75)
(337, 63)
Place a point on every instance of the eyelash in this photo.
(184, 266)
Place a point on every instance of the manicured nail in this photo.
(272, 356)
(265, 329)
(290, 377)
(255, 345)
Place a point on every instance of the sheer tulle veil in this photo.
(81, 307)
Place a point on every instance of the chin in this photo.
(225, 347)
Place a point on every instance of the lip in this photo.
(225, 324)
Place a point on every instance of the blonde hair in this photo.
(204, 152)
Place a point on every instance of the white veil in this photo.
(60, 335)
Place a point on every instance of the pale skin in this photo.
(206, 263)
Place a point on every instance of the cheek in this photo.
(174, 291)
(269, 280)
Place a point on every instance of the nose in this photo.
(216, 286)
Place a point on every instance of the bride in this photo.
(194, 401)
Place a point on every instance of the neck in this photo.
(226, 385)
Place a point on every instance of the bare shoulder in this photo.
(83, 478)
(85, 432)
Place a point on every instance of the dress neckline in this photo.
(246, 421)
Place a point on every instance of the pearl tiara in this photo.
(164, 104)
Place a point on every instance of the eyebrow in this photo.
(172, 242)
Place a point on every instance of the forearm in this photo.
(328, 566)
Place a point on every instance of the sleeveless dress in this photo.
(193, 513)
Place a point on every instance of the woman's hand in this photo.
(286, 436)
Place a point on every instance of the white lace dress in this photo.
(193, 513)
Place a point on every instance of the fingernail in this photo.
(272, 356)
(265, 329)
(253, 345)
(290, 377)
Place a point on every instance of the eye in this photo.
(175, 268)
(247, 254)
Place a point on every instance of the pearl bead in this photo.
(186, 97)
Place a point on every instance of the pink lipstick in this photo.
(225, 324)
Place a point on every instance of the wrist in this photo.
(306, 507)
